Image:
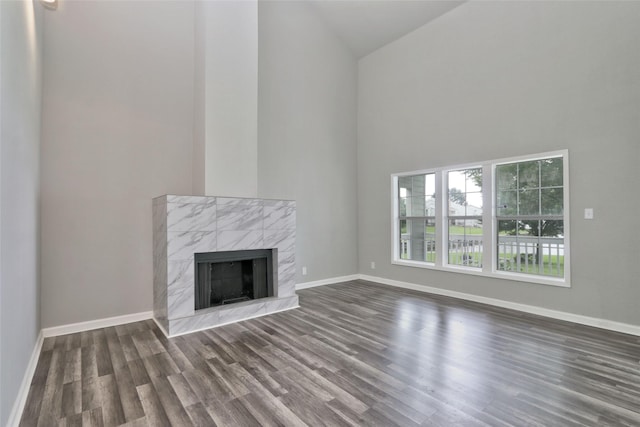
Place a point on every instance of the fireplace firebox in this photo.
(233, 276)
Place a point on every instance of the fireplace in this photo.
(233, 276)
(191, 232)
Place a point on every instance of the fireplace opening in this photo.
(234, 276)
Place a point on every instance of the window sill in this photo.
(504, 275)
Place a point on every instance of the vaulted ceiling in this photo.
(366, 25)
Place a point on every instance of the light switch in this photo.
(588, 213)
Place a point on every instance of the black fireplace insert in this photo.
(232, 276)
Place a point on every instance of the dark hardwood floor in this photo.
(353, 354)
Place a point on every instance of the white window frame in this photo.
(489, 221)
(444, 223)
(408, 219)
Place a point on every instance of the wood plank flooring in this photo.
(353, 354)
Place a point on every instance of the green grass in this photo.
(508, 263)
(453, 229)
(458, 229)
(473, 259)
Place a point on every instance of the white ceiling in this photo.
(366, 25)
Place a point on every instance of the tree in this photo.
(533, 189)
(457, 196)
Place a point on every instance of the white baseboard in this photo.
(554, 314)
(23, 392)
(329, 281)
(95, 324)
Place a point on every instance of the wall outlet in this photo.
(373, 265)
(588, 213)
(304, 271)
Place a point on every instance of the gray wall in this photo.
(20, 90)
(227, 91)
(307, 133)
(484, 81)
(498, 79)
(117, 131)
(119, 116)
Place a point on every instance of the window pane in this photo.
(404, 191)
(465, 192)
(430, 206)
(473, 180)
(474, 204)
(457, 202)
(404, 181)
(457, 198)
(417, 201)
(552, 201)
(507, 176)
(430, 240)
(528, 202)
(418, 184)
(551, 172)
(552, 248)
(507, 227)
(416, 206)
(528, 233)
(431, 227)
(507, 244)
(430, 185)
(517, 247)
(404, 186)
(465, 233)
(528, 174)
(552, 229)
(416, 250)
(529, 228)
(467, 180)
(506, 201)
(404, 240)
(416, 195)
(430, 195)
(402, 208)
(456, 179)
(416, 227)
(416, 234)
(538, 248)
(527, 245)
(465, 242)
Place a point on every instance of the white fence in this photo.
(515, 253)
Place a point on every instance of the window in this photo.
(504, 218)
(465, 217)
(529, 214)
(417, 217)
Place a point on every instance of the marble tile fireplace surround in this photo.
(186, 225)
